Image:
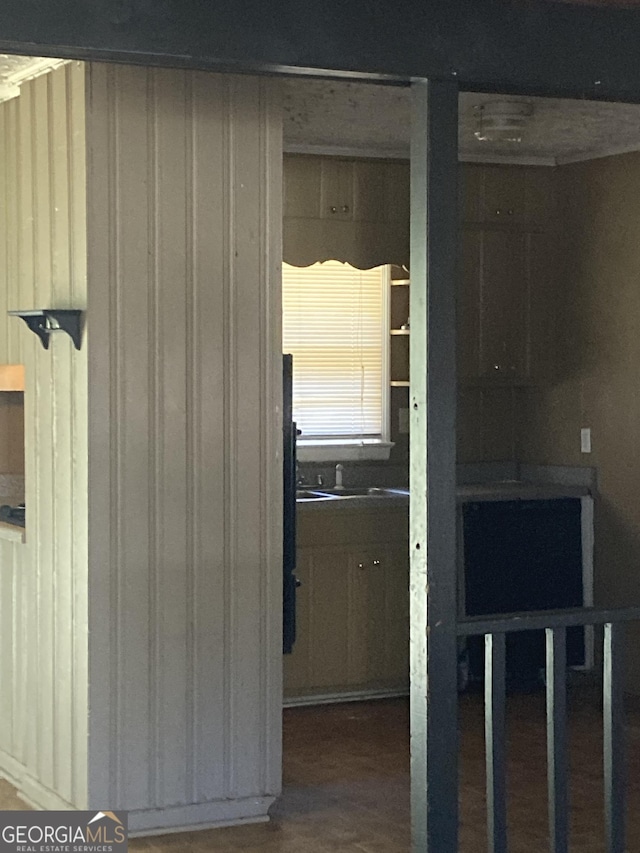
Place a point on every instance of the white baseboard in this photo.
(37, 796)
(193, 817)
(32, 792)
(11, 769)
(334, 698)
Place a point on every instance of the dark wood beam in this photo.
(519, 46)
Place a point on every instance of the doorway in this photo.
(510, 310)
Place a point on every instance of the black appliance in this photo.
(519, 556)
(289, 580)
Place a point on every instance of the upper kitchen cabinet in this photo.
(506, 276)
(507, 195)
(347, 209)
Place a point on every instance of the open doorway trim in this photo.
(434, 239)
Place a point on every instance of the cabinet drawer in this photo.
(352, 527)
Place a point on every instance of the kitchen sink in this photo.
(309, 495)
(360, 492)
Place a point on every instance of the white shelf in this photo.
(398, 281)
(400, 331)
(399, 383)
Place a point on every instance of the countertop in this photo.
(518, 490)
(503, 490)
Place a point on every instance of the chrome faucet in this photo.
(300, 480)
(339, 470)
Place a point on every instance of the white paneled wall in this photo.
(184, 239)
(43, 583)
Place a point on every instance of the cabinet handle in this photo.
(376, 562)
(333, 209)
(345, 208)
(361, 565)
(510, 212)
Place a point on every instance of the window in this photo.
(335, 324)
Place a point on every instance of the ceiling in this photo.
(374, 120)
(15, 70)
(351, 118)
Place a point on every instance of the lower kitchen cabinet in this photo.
(352, 606)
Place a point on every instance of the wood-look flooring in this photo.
(346, 783)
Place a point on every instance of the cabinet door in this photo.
(470, 180)
(381, 191)
(540, 199)
(319, 662)
(336, 189)
(543, 303)
(379, 618)
(301, 186)
(395, 664)
(397, 183)
(370, 191)
(367, 616)
(504, 333)
(504, 194)
(468, 306)
(493, 336)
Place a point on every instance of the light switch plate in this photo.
(403, 421)
(585, 440)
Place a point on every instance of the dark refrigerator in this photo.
(289, 580)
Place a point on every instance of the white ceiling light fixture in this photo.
(502, 121)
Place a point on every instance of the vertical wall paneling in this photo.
(184, 192)
(43, 645)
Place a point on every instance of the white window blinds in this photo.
(335, 326)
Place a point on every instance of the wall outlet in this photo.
(403, 421)
(585, 440)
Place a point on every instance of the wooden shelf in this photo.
(400, 331)
(399, 383)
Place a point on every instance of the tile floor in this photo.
(346, 783)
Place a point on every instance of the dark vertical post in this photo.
(495, 733)
(614, 738)
(557, 766)
(434, 249)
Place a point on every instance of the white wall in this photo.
(184, 188)
(43, 583)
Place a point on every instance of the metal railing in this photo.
(555, 624)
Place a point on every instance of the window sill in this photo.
(341, 451)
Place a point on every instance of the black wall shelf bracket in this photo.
(45, 321)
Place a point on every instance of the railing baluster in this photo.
(614, 737)
(495, 629)
(557, 766)
(495, 741)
